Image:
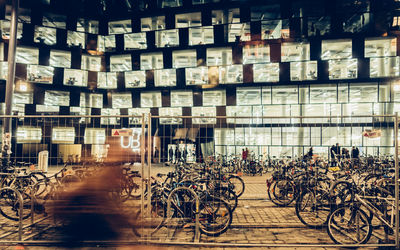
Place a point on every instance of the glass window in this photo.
(95, 136)
(150, 99)
(181, 98)
(323, 93)
(274, 111)
(248, 96)
(204, 1)
(24, 15)
(151, 61)
(225, 16)
(113, 119)
(384, 66)
(136, 115)
(239, 32)
(292, 52)
(170, 3)
(256, 53)
(91, 100)
(165, 77)
(29, 135)
(204, 111)
(380, 47)
(5, 27)
(336, 49)
(219, 56)
(27, 55)
(135, 41)
(40, 74)
(47, 109)
(265, 12)
(121, 100)
(201, 35)
(266, 95)
(135, 79)
(319, 26)
(364, 92)
(121, 63)
(343, 92)
(76, 39)
(285, 95)
(188, 20)
(45, 35)
(196, 76)
(184, 58)
(22, 98)
(275, 29)
(343, 69)
(57, 98)
(106, 43)
(60, 59)
(231, 74)
(244, 111)
(316, 110)
(107, 80)
(60, 135)
(170, 112)
(55, 21)
(152, 23)
(167, 38)
(266, 72)
(119, 27)
(301, 71)
(87, 26)
(214, 98)
(92, 63)
(360, 109)
(3, 70)
(75, 77)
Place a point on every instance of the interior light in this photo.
(396, 87)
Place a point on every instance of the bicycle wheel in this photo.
(149, 225)
(313, 208)
(215, 216)
(341, 193)
(228, 195)
(136, 188)
(10, 205)
(237, 184)
(349, 225)
(284, 192)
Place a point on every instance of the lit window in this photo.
(60, 59)
(150, 99)
(268, 72)
(204, 111)
(91, 100)
(121, 63)
(256, 53)
(274, 29)
(184, 58)
(55, 21)
(323, 93)
(61, 135)
(40, 74)
(300, 71)
(56, 98)
(170, 112)
(135, 79)
(214, 98)
(136, 115)
(5, 27)
(225, 16)
(121, 100)
(75, 77)
(135, 41)
(380, 47)
(106, 43)
(248, 96)
(151, 61)
(29, 135)
(196, 76)
(107, 80)
(188, 20)
(181, 98)
(239, 32)
(363, 92)
(76, 39)
(95, 136)
(219, 56)
(27, 55)
(384, 66)
(45, 35)
(292, 52)
(152, 23)
(119, 27)
(113, 118)
(343, 69)
(201, 35)
(92, 63)
(336, 49)
(22, 98)
(87, 26)
(167, 38)
(231, 74)
(165, 77)
(285, 95)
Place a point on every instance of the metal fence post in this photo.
(142, 154)
(396, 178)
(149, 159)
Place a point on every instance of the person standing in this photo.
(171, 154)
(355, 153)
(177, 155)
(156, 154)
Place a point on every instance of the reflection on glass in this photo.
(384, 66)
(184, 58)
(60, 59)
(268, 72)
(24, 15)
(95, 136)
(248, 96)
(323, 93)
(25, 134)
(319, 26)
(150, 99)
(256, 53)
(75, 77)
(45, 35)
(214, 98)
(364, 92)
(63, 135)
(135, 79)
(170, 112)
(151, 61)
(225, 16)
(106, 80)
(285, 95)
(265, 12)
(58, 98)
(40, 74)
(201, 35)
(167, 38)
(219, 56)
(231, 74)
(204, 111)
(106, 43)
(121, 100)
(292, 52)
(165, 77)
(5, 29)
(91, 100)
(136, 115)
(336, 49)
(196, 76)
(274, 29)
(152, 23)
(92, 63)
(380, 47)
(135, 41)
(121, 63)
(343, 69)
(188, 20)
(54, 20)
(119, 27)
(23, 98)
(300, 71)
(76, 39)
(239, 32)
(87, 26)
(181, 98)
(27, 55)
(113, 119)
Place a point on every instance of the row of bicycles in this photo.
(351, 203)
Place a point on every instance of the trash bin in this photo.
(43, 161)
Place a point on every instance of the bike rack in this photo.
(21, 205)
(169, 212)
